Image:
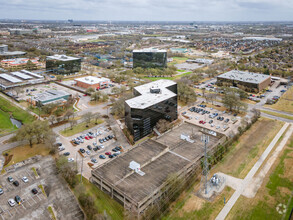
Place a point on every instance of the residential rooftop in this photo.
(62, 57)
(147, 99)
(244, 76)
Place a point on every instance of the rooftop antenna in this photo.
(205, 139)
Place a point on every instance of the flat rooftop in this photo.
(244, 76)
(91, 80)
(62, 57)
(149, 50)
(158, 159)
(147, 99)
(50, 94)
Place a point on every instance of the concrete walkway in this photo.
(243, 185)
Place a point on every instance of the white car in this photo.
(212, 125)
(70, 159)
(61, 148)
(218, 127)
(11, 202)
(24, 179)
(88, 152)
(102, 146)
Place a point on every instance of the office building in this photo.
(152, 102)
(92, 82)
(62, 64)
(251, 81)
(149, 58)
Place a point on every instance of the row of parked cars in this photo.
(16, 199)
(87, 136)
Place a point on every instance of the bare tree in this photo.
(87, 117)
(72, 123)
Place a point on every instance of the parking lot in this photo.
(92, 153)
(35, 206)
(220, 121)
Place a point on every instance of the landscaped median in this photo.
(80, 128)
(278, 114)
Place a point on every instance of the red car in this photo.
(108, 153)
(203, 122)
(200, 122)
(91, 137)
(86, 137)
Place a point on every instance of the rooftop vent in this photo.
(155, 90)
(136, 167)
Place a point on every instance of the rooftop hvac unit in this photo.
(155, 90)
(136, 167)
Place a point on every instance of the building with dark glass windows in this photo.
(152, 102)
(62, 64)
(150, 58)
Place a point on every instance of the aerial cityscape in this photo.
(122, 110)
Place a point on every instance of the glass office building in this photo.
(152, 102)
(149, 58)
(62, 64)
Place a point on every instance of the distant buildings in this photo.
(18, 62)
(149, 58)
(4, 53)
(251, 81)
(62, 64)
(201, 61)
(92, 82)
(19, 78)
(49, 96)
(263, 38)
(152, 102)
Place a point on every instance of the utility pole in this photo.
(205, 139)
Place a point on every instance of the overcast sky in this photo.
(149, 10)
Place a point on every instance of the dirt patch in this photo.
(193, 203)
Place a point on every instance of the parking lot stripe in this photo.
(23, 206)
(33, 199)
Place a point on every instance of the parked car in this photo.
(114, 149)
(88, 152)
(66, 154)
(82, 150)
(34, 191)
(108, 153)
(102, 156)
(87, 137)
(211, 121)
(94, 160)
(61, 148)
(24, 179)
(227, 120)
(89, 147)
(111, 156)
(16, 183)
(11, 202)
(10, 179)
(1, 191)
(17, 199)
(70, 159)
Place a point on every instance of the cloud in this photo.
(233, 10)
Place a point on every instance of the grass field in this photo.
(277, 114)
(276, 189)
(177, 60)
(103, 202)
(24, 152)
(285, 103)
(7, 109)
(79, 128)
(237, 162)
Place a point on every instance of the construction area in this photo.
(138, 179)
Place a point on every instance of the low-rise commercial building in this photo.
(92, 82)
(50, 96)
(4, 53)
(18, 62)
(251, 81)
(152, 102)
(62, 64)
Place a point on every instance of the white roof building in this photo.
(62, 57)
(148, 98)
(91, 80)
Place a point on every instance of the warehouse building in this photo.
(62, 64)
(251, 81)
(152, 102)
(19, 78)
(92, 82)
(50, 96)
(140, 178)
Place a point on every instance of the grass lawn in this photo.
(24, 152)
(277, 188)
(177, 60)
(79, 128)
(103, 202)
(285, 103)
(16, 112)
(246, 151)
(277, 114)
(5, 125)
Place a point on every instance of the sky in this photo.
(149, 10)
